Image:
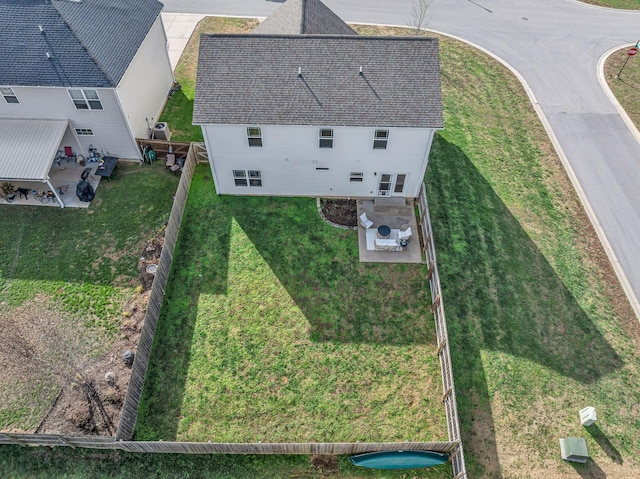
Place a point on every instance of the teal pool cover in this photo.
(399, 459)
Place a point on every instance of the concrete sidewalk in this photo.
(179, 28)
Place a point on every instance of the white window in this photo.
(86, 99)
(380, 139)
(84, 132)
(254, 135)
(326, 138)
(356, 176)
(247, 178)
(9, 95)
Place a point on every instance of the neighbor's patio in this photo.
(395, 213)
(64, 176)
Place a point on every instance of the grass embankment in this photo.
(622, 4)
(625, 87)
(81, 263)
(179, 109)
(539, 326)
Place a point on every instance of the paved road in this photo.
(555, 45)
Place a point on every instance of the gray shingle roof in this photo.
(253, 79)
(308, 17)
(90, 42)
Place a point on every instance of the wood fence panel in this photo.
(129, 413)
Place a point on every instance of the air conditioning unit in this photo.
(161, 131)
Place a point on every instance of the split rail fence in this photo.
(442, 337)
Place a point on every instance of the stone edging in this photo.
(324, 218)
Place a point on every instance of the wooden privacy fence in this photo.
(179, 148)
(101, 442)
(129, 413)
(437, 308)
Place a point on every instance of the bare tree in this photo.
(40, 342)
(419, 15)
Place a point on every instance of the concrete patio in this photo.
(393, 212)
(65, 176)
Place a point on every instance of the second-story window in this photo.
(9, 95)
(326, 138)
(380, 139)
(254, 135)
(85, 99)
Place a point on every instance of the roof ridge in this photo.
(303, 15)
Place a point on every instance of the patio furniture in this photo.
(106, 168)
(365, 222)
(405, 234)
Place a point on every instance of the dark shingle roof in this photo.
(307, 17)
(253, 79)
(90, 42)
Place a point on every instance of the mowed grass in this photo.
(625, 86)
(273, 331)
(622, 4)
(179, 109)
(82, 263)
(538, 325)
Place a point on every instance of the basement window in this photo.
(356, 176)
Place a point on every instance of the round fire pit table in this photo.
(384, 231)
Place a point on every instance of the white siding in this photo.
(290, 157)
(108, 125)
(145, 85)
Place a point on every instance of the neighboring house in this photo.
(305, 107)
(78, 73)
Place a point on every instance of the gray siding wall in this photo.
(290, 157)
(144, 87)
(108, 125)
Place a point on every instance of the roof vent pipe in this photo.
(48, 55)
(40, 28)
(299, 71)
(361, 71)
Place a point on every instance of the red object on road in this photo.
(632, 51)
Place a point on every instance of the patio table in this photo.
(106, 169)
(384, 231)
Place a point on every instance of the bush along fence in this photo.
(437, 309)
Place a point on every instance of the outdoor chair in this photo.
(405, 233)
(365, 222)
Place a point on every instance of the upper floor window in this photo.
(326, 138)
(380, 139)
(86, 99)
(9, 95)
(254, 135)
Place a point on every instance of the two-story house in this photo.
(78, 73)
(320, 112)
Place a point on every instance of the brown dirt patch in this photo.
(82, 383)
(339, 211)
(326, 463)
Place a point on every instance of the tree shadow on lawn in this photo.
(500, 294)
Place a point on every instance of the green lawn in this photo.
(80, 263)
(273, 331)
(625, 86)
(624, 4)
(44, 463)
(539, 327)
